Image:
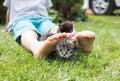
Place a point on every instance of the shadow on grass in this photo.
(80, 57)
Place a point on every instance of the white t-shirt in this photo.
(26, 8)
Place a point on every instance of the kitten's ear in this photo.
(70, 42)
(61, 24)
(74, 42)
(61, 28)
(72, 22)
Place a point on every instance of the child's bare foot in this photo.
(86, 40)
(46, 47)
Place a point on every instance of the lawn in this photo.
(103, 64)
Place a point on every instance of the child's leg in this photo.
(40, 48)
(86, 40)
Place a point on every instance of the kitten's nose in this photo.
(64, 54)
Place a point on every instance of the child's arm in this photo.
(7, 20)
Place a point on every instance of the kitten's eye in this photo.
(63, 45)
(60, 49)
(68, 49)
(71, 52)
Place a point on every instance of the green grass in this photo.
(103, 64)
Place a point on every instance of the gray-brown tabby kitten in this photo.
(66, 47)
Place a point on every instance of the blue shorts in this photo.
(40, 25)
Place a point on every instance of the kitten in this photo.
(66, 47)
(66, 26)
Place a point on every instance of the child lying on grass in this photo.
(29, 19)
